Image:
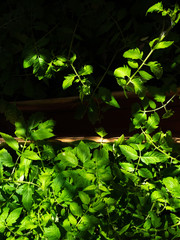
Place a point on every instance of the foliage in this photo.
(129, 189)
(124, 190)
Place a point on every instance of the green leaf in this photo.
(57, 183)
(133, 64)
(163, 44)
(147, 224)
(29, 60)
(122, 72)
(158, 7)
(106, 95)
(68, 81)
(156, 69)
(124, 229)
(90, 188)
(153, 157)
(101, 157)
(84, 197)
(44, 131)
(86, 70)
(145, 173)
(27, 199)
(127, 166)
(152, 122)
(39, 65)
(146, 76)
(5, 158)
(13, 216)
(155, 220)
(3, 217)
(68, 159)
(20, 131)
(101, 132)
(138, 86)
(60, 61)
(73, 58)
(83, 152)
(133, 54)
(97, 206)
(129, 152)
(10, 141)
(157, 195)
(168, 114)
(75, 209)
(152, 104)
(30, 155)
(52, 232)
(139, 119)
(72, 219)
(173, 186)
(45, 178)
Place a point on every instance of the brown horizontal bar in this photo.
(91, 138)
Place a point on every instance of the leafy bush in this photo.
(125, 190)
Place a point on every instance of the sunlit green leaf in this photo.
(138, 86)
(129, 152)
(139, 119)
(133, 54)
(13, 216)
(101, 132)
(84, 197)
(75, 209)
(152, 104)
(163, 44)
(152, 122)
(157, 195)
(127, 166)
(145, 173)
(145, 75)
(86, 70)
(44, 130)
(30, 155)
(156, 68)
(68, 159)
(6, 158)
(133, 64)
(153, 157)
(45, 178)
(83, 152)
(20, 131)
(173, 186)
(52, 232)
(29, 60)
(158, 7)
(68, 80)
(122, 72)
(73, 58)
(10, 141)
(72, 219)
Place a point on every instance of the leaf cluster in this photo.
(125, 190)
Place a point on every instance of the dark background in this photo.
(101, 31)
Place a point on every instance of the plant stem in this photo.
(163, 106)
(143, 63)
